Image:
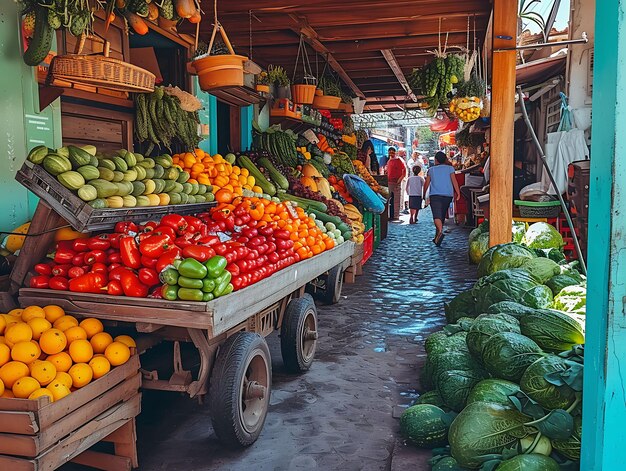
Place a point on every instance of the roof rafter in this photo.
(397, 71)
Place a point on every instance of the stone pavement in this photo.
(339, 415)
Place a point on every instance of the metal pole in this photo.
(547, 168)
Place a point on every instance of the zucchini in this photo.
(275, 175)
(304, 203)
(259, 178)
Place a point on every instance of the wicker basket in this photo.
(531, 209)
(100, 70)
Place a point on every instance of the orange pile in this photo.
(228, 181)
(44, 352)
(308, 239)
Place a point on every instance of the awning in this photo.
(386, 139)
(540, 70)
(448, 139)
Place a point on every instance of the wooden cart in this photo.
(228, 332)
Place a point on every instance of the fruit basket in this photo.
(80, 215)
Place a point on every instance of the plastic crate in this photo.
(368, 220)
(546, 209)
(83, 217)
(368, 245)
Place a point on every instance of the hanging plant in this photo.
(263, 78)
(278, 76)
(330, 86)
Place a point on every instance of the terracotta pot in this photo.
(220, 71)
(327, 102)
(303, 93)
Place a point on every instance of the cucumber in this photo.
(304, 203)
(41, 42)
(259, 178)
(275, 175)
(321, 216)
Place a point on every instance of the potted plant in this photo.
(303, 89)
(263, 82)
(279, 80)
(331, 93)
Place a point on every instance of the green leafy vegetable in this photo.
(440, 342)
(530, 462)
(478, 247)
(503, 256)
(507, 355)
(570, 447)
(425, 425)
(535, 385)
(511, 308)
(431, 397)
(542, 235)
(454, 386)
(484, 327)
(541, 268)
(553, 330)
(558, 282)
(462, 305)
(511, 285)
(571, 299)
(493, 390)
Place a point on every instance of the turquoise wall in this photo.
(22, 125)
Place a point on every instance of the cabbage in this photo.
(503, 256)
(440, 342)
(431, 397)
(425, 425)
(511, 308)
(530, 462)
(558, 282)
(484, 327)
(485, 428)
(474, 234)
(478, 247)
(493, 390)
(570, 447)
(542, 235)
(549, 396)
(454, 386)
(571, 299)
(556, 255)
(507, 355)
(511, 285)
(553, 330)
(462, 305)
(541, 268)
(446, 360)
(519, 229)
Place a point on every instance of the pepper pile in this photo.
(186, 257)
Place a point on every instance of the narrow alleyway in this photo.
(338, 416)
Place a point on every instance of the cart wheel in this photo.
(298, 334)
(239, 391)
(331, 294)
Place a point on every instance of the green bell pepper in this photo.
(215, 266)
(208, 297)
(191, 268)
(208, 285)
(169, 276)
(185, 282)
(190, 294)
(222, 283)
(169, 292)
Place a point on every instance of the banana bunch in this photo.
(352, 212)
(356, 222)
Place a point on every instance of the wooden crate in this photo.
(356, 266)
(40, 435)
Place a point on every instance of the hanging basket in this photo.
(99, 70)
(327, 102)
(319, 92)
(303, 94)
(225, 70)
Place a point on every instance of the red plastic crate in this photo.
(368, 245)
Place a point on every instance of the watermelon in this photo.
(425, 425)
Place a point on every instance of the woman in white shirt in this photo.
(414, 187)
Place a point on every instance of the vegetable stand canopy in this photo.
(371, 45)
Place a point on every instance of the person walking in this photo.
(396, 173)
(443, 187)
(414, 187)
(368, 157)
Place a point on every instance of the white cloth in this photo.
(563, 148)
(486, 169)
(415, 185)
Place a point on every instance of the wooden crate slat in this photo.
(23, 423)
(103, 461)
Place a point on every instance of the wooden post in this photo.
(604, 396)
(502, 118)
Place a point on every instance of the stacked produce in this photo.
(124, 179)
(160, 120)
(250, 239)
(356, 221)
(437, 78)
(44, 352)
(505, 376)
(278, 143)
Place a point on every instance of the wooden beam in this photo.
(311, 38)
(502, 122)
(397, 71)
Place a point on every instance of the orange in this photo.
(81, 351)
(52, 341)
(1, 388)
(65, 322)
(3, 324)
(62, 361)
(100, 366)
(12, 371)
(39, 326)
(5, 354)
(17, 312)
(19, 332)
(223, 196)
(63, 378)
(31, 312)
(37, 393)
(117, 353)
(58, 390)
(43, 371)
(26, 352)
(81, 374)
(25, 386)
(92, 326)
(8, 394)
(126, 339)
(101, 341)
(53, 312)
(75, 333)
(10, 320)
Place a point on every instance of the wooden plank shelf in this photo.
(237, 96)
(296, 125)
